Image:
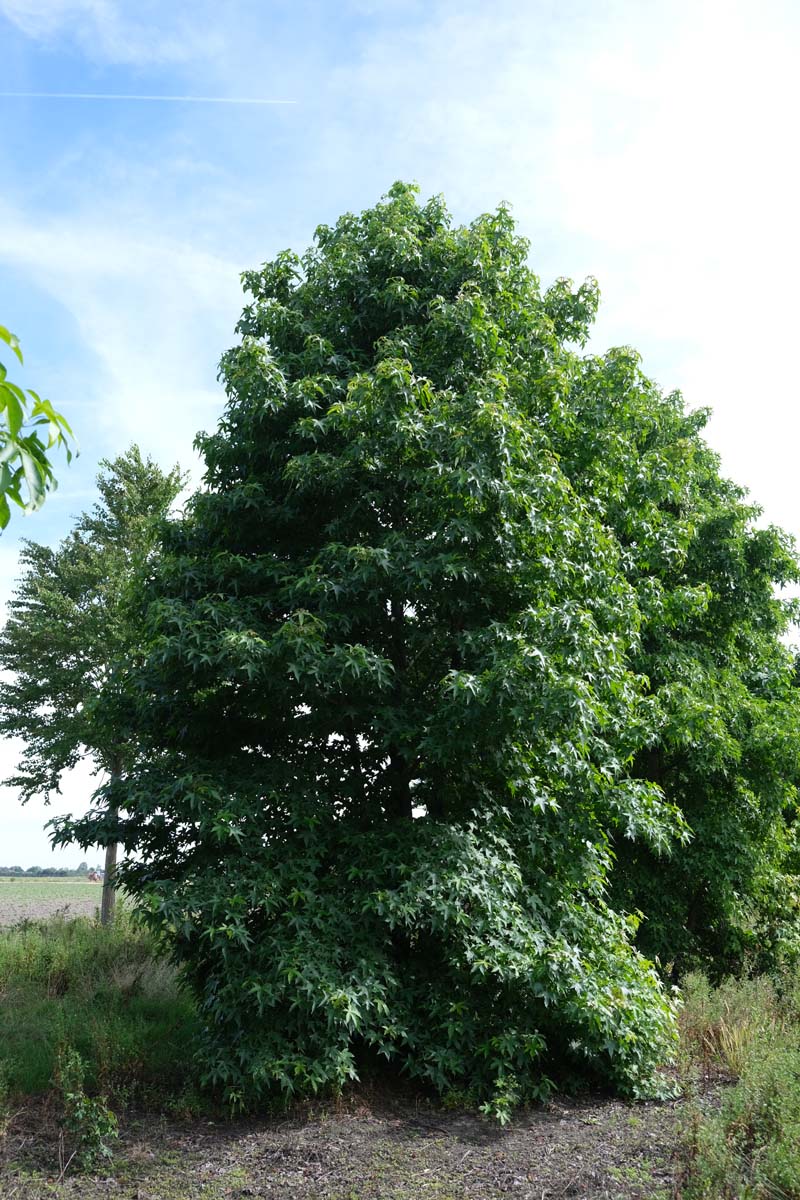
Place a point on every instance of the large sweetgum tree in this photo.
(394, 718)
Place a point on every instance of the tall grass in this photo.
(101, 992)
(749, 1147)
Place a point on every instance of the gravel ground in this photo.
(590, 1149)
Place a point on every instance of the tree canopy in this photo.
(80, 593)
(713, 648)
(449, 590)
(72, 621)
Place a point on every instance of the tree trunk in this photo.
(108, 901)
(109, 887)
(400, 799)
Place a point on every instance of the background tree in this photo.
(71, 623)
(24, 461)
(714, 651)
(385, 727)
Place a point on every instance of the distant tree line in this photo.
(58, 872)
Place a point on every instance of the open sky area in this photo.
(651, 143)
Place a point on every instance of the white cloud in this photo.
(147, 33)
(154, 311)
(25, 842)
(649, 145)
(678, 178)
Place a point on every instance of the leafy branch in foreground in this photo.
(29, 428)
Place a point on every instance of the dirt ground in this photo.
(589, 1149)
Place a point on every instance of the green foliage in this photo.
(387, 720)
(24, 461)
(724, 1026)
(432, 955)
(88, 1124)
(712, 647)
(105, 993)
(80, 592)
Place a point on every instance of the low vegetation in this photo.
(96, 1028)
(101, 994)
(747, 1148)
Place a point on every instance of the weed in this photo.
(5, 1101)
(723, 1027)
(88, 1125)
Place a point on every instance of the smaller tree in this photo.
(24, 461)
(81, 592)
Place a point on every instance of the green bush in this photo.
(750, 1150)
(431, 955)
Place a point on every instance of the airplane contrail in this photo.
(126, 96)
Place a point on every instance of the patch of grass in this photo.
(749, 1148)
(105, 994)
(724, 1026)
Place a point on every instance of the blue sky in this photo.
(650, 144)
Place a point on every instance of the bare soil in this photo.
(593, 1148)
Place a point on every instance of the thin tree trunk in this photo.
(400, 805)
(108, 902)
(109, 887)
(400, 798)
